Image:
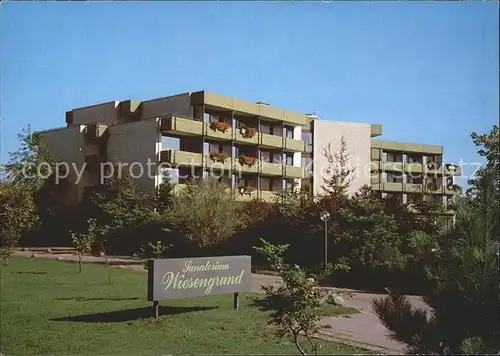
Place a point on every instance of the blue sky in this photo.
(426, 71)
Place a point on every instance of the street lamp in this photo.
(325, 216)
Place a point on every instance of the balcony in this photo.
(392, 166)
(271, 141)
(95, 130)
(238, 136)
(452, 189)
(212, 131)
(375, 180)
(413, 188)
(389, 187)
(181, 126)
(245, 168)
(414, 167)
(452, 170)
(273, 169)
(181, 158)
(295, 145)
(215, 163)
(293, 172)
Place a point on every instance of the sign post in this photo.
(193, 277)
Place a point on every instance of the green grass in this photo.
(49, 308)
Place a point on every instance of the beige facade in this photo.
(327, 137)
(256, 149)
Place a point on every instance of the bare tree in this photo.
(339, 175)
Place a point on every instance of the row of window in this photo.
(183, 175)
(264, 126)
(397, 177)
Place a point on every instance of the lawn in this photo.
(47, 307)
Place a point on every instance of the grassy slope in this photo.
(49, 308)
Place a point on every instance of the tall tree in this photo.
(464, 271)
(489, 145)
(339, 175)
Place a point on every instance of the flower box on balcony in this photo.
(247, 160)
(432, 186)
(218, 157)
(219, 126)
(248, 132)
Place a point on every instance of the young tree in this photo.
(464, 300)
(83, 242)
(204, 213)
(164, 196)
(296, 304)
(17, 216)
(339, 175)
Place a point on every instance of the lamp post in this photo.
(325, 216)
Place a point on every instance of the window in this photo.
(415, 179)
(394, 177)
(216, 148)
(265, 183)
(288, 131)
(289, 159)
(266, 128)
(394, 157)
(307, 136)
(288, 184)
(265, 156)
(414, 158)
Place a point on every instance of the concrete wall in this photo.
(177, 105)
(133, 142)
(66, 145)
(357, 137)
(105, 113)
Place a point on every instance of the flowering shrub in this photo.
(219, 126)
(218, 157)
(248, 132)
(248, 160)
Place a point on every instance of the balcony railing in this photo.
(181, 125)
(271, 168)
(271, 140)
(181, 157)
(212, 131)
(294, 171)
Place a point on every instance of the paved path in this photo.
(363, 329)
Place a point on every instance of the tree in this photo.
(119, 203)
(164, 196)
(339, 175)
(31, 164)
(17, 216)
(464, 300)
(296, 304)
(490, 149)
(27, 194)
(372, 233)
(204, 213)
(83, 242)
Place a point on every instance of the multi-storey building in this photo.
(256, 149)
